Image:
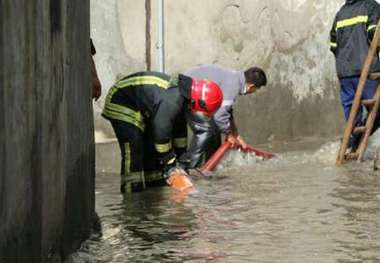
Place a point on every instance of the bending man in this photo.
(207, 131)
(147, 112)
(353, 29)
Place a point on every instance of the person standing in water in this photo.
(350, 37)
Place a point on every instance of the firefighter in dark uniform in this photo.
(147, 111)
(351, 34)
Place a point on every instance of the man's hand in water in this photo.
(231, 138)
(236, 140)
(242, 143)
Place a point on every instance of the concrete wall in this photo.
(289, 39)
(46, 129)
(116, 55)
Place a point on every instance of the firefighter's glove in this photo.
(168, 161)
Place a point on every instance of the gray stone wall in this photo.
(46, 129)
(289, 39)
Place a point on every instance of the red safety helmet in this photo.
(206, 96)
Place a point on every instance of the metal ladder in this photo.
(372, 105)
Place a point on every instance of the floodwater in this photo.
(298, 207)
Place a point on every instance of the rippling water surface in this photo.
(297, 207)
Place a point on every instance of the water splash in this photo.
(235, 158)
(325, 155)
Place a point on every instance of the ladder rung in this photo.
(368, 103)
(352, 156)
(375, 76)
(359, 130)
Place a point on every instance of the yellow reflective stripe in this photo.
(122, 117)
(171, 160)
(180, 142)
(371, 27)
(332, 44)
(143, 80)
(124, 110)
(122, 113)
(127, 159)
(135, 177)
(351, 21)
(151, 176)
(110, 94)
(163, 148)
(131, 177)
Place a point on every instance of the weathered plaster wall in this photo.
(289, 39)
(118, 33)
(46, 129)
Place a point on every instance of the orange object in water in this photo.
(179, 181)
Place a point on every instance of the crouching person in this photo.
(147, 111)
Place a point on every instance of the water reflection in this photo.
(358, 197)
(296, 208)
(155, 225)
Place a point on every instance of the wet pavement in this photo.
(298, 207)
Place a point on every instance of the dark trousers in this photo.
(348, 88)
(213, 145)
(205, 141)
(139, 163)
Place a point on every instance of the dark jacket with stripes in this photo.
(151, 98)
(351, 34)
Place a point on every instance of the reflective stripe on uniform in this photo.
(371, 27)
(121, 117)
(163, 148)
(151, 176)
(351, 21)
(332, 44)
(180, 142)
(122, 113)
(124, 110)
(112, 91)
(143, 80)
(117, 112)
(131, 177)
(172, 160)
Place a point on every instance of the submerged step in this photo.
(352, 156)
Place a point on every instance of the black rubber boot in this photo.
(354, 142)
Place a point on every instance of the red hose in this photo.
(258, 152)
(215, 158)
